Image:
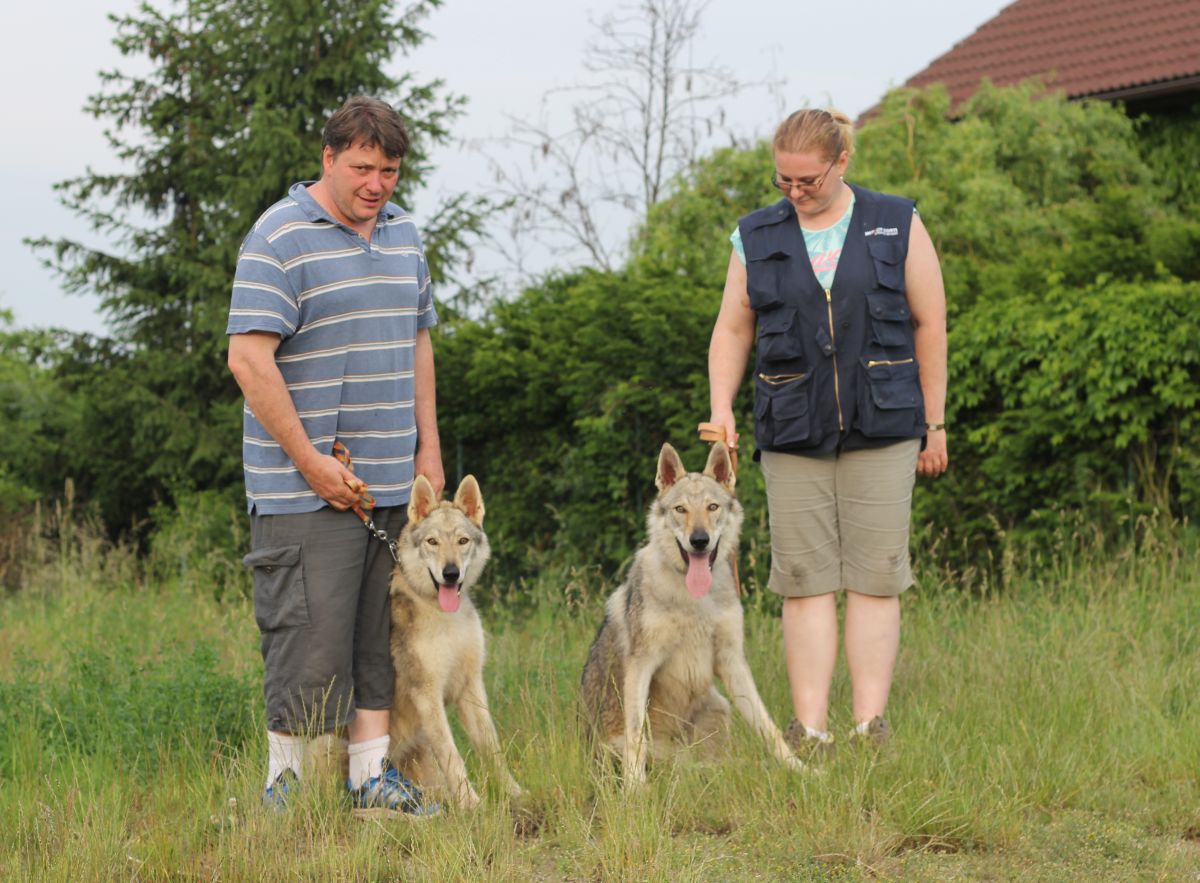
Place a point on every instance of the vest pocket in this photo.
(777, 341)
(891, 319)
(782, 415)
(887, 254)
(280, 600)
(890, 403)
(765, 264)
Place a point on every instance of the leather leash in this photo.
(365, 501)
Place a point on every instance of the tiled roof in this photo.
(1103, 48)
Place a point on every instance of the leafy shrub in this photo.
(200, 541)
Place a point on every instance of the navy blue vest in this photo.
(836, 369)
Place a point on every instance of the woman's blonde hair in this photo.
(828, 132)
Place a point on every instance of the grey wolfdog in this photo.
(437, 643)
(674, 625)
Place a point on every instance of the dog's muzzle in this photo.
(449, 589)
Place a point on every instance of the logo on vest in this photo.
(883, 231)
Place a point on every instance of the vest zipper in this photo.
(837, 388)
(872, 364)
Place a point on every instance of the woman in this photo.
(841, 289)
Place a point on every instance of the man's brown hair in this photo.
(369, 122)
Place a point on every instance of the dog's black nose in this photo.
(699, 540)
(450, 574)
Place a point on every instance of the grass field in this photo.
(1048, 730)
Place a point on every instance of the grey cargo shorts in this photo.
(321, 587)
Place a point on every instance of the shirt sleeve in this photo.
(736, 238)
(263, 299)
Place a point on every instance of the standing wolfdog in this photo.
(437, 643)
(673, 625)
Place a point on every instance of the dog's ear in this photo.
(469, 499)
(422, 501)
(670, 468)
(720, 467)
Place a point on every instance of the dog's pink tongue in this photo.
(699, 575)
(448, 598)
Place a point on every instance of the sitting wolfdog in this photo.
(437, 643)
(673, 625)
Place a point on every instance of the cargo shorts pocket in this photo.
(280, 601)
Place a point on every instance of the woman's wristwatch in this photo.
(934, 427)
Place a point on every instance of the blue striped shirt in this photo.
(347, 312)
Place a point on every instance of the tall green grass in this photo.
(1047, 724)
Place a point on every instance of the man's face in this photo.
(360, 180)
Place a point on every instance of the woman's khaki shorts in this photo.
(841, 521)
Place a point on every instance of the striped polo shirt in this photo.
(347, 312)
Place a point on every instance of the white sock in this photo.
(863, 728)
(819, 735)
(366, 760)
(284, 752)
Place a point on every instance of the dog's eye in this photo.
(713, 507)
(681, 509)
(462, 541)
(432, 541)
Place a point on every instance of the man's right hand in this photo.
(332, 482)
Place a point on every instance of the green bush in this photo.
(199, 542)
(1073, 397)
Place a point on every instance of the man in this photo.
(329, 341)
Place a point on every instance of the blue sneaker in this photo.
(275, 797)
(391, 794)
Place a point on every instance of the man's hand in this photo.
(332, 482)
(934, 460)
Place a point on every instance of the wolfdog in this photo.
(673, 625)
(437, 643)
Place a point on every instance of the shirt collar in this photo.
(312, 208)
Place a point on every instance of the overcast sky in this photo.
(844, 54)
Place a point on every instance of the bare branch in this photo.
(643, 115)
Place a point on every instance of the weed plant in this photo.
(1046, 721)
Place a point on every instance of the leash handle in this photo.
(715, 432)
(365, 501)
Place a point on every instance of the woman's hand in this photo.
(934, 460)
